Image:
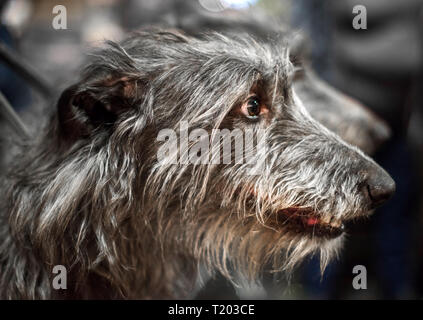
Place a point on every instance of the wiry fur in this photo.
(89, 194)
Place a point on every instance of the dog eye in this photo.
(252, 108)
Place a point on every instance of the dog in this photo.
(91, 195)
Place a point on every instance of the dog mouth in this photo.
(307, 222)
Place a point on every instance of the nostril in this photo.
(381, 190)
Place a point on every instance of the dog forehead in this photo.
(173, 44)
(269, 60)
(248, 49)
(235, 59)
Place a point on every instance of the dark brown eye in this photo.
(253, 107)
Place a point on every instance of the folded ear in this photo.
(90, 105)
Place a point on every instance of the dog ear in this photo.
(90, 105)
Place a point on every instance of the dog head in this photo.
(203, 150)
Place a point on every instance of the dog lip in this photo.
(306, 221)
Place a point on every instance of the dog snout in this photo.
(379, 186)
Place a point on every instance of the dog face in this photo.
(293, 194)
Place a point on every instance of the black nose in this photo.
(380, 186)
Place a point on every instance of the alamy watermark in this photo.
(221, 146)
(60, 21)
(360, 280)
(60, 280)
(360, 20)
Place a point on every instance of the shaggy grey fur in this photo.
(89, 193)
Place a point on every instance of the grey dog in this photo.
(91, 195)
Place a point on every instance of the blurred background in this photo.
(381, 66)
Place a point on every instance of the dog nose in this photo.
(380, 186)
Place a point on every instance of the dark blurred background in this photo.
(381, 66)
